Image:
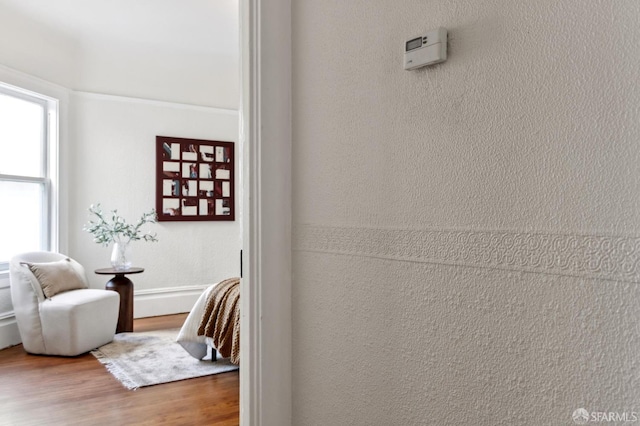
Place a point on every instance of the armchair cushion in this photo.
(57, 277)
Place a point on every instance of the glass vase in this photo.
(121, 256)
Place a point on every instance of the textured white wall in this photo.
(466, 247)
(114, 164)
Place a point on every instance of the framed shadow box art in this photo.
(194, 179)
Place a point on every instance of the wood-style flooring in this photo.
(44, 390)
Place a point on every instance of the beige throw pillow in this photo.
(56, 277)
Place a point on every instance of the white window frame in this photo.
(49, 170)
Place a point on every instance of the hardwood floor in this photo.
(43, 390)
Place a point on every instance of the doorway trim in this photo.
(265, 131)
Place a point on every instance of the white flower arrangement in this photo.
(117, 230)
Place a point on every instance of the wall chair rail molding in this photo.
(615, 258)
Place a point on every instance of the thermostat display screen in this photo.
(414, 44)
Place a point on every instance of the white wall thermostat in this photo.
(428, 49)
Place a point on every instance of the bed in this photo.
(214, 322)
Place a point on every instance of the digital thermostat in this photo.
(428, 49)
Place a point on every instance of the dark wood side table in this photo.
(124, 287)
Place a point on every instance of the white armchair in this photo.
(68, 323)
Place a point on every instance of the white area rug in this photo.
(154, 357)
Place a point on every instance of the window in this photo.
(28, 132)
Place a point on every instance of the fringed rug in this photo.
(154, 357)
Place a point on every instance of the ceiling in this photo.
(196, 26)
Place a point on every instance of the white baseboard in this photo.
(165, 301)
(146, 303)
(9, 335)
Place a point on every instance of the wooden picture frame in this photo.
(195, 180)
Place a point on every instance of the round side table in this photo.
(124, 287)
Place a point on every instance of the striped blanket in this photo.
(221, 319)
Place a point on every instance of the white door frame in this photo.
(265, 117)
